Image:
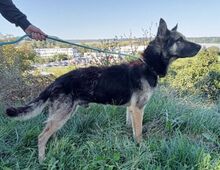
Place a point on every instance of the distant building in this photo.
(90, 54)
(129, 49)
(49, 52)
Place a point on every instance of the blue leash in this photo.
(70, 43)
(13, 42)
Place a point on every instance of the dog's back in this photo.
(106, 85)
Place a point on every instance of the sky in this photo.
(100, 19)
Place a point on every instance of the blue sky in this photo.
(94, 19)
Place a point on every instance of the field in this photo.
(179, 133)
(181, 121)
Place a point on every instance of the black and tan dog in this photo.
(129, 84)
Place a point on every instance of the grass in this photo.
(178, 134)
(58, 71)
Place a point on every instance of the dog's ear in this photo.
(175, 28)
(162, 29)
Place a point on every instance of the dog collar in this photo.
(149, 67)
(142, 60)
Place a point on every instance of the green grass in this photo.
(179, 134)
(58, 71)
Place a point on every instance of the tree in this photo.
(22, 56)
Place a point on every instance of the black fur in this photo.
(155, 60)
(106, 85)
(13, 112)
(116, 84)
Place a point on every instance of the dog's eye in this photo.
(180, 39)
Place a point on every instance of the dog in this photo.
(129, 84)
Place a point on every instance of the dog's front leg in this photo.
(137, 118)
(128, 117)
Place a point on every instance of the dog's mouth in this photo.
(197, 48)
(191, 50)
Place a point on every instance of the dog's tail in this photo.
(32, 109)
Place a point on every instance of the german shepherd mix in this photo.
(130, 84)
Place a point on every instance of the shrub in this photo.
(198, 75)
(17, 84)
(209, 86)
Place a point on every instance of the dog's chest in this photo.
(141, 97)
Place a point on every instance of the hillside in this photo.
(205, 39)
(179, 134)
(181, 121)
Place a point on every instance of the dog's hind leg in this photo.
(62, 109)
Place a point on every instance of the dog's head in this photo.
(173, 44)
(167, 46)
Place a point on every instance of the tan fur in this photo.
(128, 117)
(135, 111)
(137, 118)
(38, 108)
(59, 112)
(61, 109)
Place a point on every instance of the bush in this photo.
(17, 84)
(198, 75)
(22, 56)
(209, 86)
